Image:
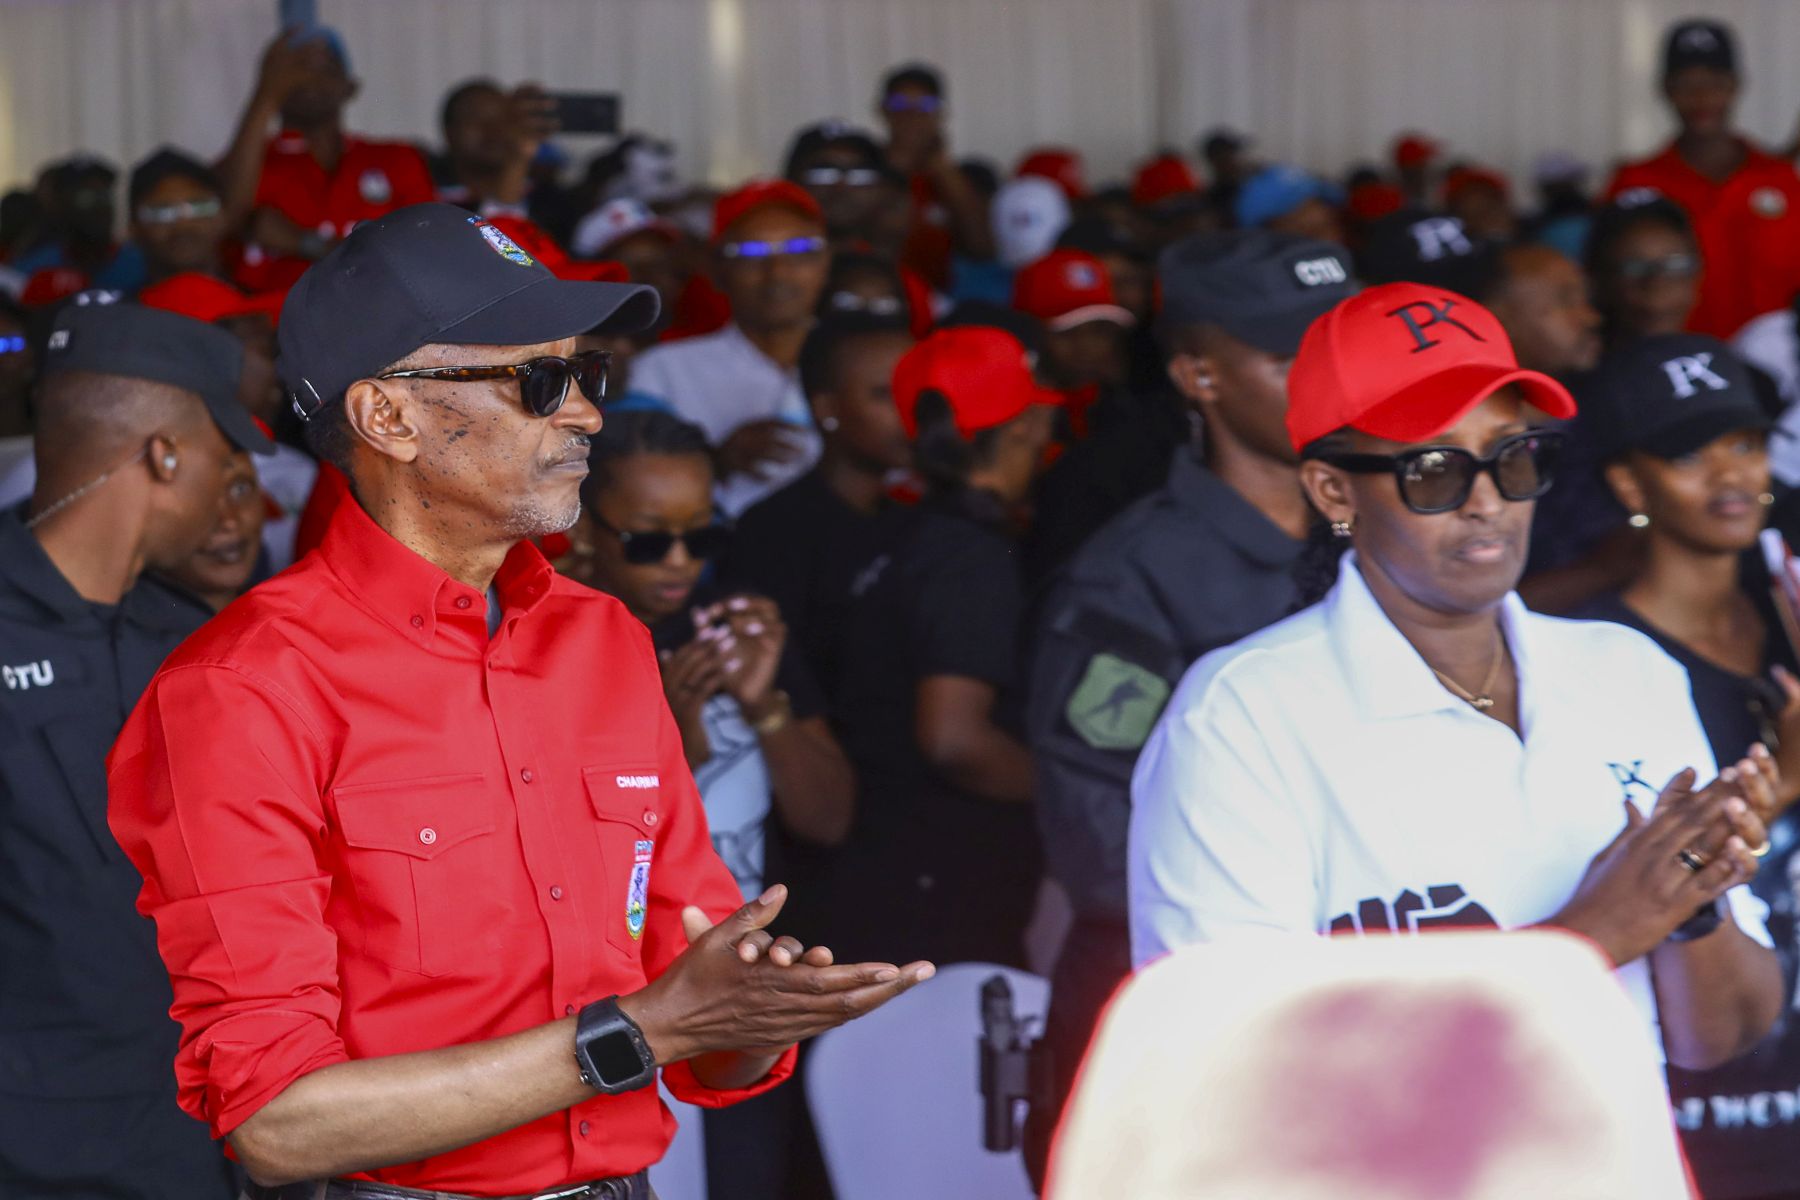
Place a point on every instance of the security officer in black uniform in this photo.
(137, 417)
(1200, 563)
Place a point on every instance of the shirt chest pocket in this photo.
(627, 804)
(422, 857)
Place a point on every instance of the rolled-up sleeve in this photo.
(214, 795)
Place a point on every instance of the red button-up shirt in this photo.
(1748, 228)
(365, 829)
(371, 179)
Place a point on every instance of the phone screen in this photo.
(587, 112)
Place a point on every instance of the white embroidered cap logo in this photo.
(1691, 372)
(1440, 237)
(1318, 272)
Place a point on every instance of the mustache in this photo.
(574, 450)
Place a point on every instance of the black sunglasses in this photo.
(643, 548)
(543, 382)
(1438, 479)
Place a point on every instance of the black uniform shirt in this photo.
(84, 998)
(1186, 569)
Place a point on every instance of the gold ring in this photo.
(1691, 860)
(1761, 850)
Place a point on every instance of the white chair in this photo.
(681, 1175)
(896, 1095)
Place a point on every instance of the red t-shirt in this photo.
(1748, 228)
(367, 828)
(372, 178)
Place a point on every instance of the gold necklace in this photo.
(1483, 700)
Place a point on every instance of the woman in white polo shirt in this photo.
(1420, 751)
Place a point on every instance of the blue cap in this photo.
(1278, 190)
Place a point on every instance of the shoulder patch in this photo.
(1116, 703)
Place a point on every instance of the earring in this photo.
(829, 424)
(1766, 499)
(1639, 521)
(168, 462)
(1342, 529)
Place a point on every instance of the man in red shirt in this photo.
(1744, 203)
(451, 878)
(298, 194)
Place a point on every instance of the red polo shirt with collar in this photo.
(371, 179)
(366, 828)
(1748, 228)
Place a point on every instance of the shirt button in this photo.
(584, 1128)
(526, 775)
(556, 893)
(926, 883)
(428, 835)
(568, 1010)
(650, 817)
(462, 602)
(418, 622)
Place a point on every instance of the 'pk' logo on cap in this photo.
(1422, 315)
(504, 246)
(1691, 372)
(1440, 237)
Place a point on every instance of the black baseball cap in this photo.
(97, 332)
(1257, 285)
(1417, 245)
(427, 274)
(1699, 43)
(1668, 395)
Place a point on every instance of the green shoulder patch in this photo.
(1116, 703)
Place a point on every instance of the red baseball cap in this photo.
(1405, 362)
(1414, 150)
(984, 372)
(762, 193)
(1463, 178)
(50, 284)
(1163, 177)
(1066, 288)
(1060, 166)
(205, 298)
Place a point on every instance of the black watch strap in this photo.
(611, 1051)
(1708, 918)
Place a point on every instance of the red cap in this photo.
(985, 374)
(1371, 201)
(1060, 166)
(1414, 150)
(1162, 177)
(1405, 362)
(205, 298)
(50, 284)
(762, 193)
(1066, 288)
(1463, 178)
(592, 271)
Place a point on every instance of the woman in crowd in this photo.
(1645, 266)
(1688, 457)
(944, 852)
(764, 760)
(1419, 750)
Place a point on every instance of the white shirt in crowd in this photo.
(1770, 344)
(720, 382)
(1317, 778)
(734, 790)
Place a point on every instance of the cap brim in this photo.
(553, 309)
(1685, 437)
(1433, 405)
(1275, 333)
(238, 426)
(1111, 313)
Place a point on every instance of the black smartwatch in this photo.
(1708, 918)
(611, 1051)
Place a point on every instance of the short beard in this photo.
(535, 518)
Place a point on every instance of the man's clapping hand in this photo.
(740, 988)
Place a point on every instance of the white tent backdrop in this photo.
(1323, 82)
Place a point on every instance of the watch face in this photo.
(615, 1058)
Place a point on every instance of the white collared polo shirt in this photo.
(1317, 778)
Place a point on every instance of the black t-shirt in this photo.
(1740, 1123)
(931, 871)
(804, 548)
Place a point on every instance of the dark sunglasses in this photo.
(643, 548)
(543, 382)
(1673, 266)
(1438, 479)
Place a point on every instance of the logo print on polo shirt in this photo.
(1689, 373)
(1317, 272)
(373, 186)
(504, 246)
(1421, 315)
(1444, 906)
(639, 894)
(26, 676)
(1628, 776)
(1440, 237)
(1768, 202)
